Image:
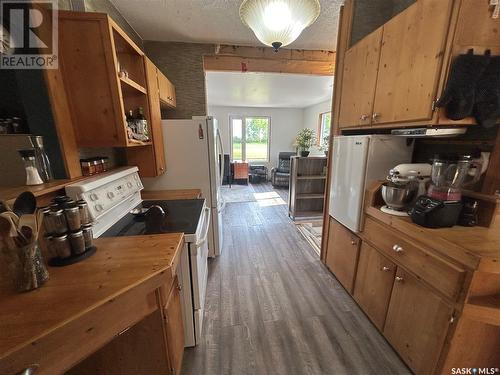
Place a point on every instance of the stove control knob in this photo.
(93, 197)
(139, 185)
(98, 207)
(111, 195)
(129, 184)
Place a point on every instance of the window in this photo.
(325, 121)
(250, 138)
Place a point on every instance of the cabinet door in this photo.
(167, 90)
(174, 328)
(410, 62)
(417, 323)
(374, 280)
(342, 253)
(359, 79)
(150, 159)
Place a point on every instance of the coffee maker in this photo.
(442, 205)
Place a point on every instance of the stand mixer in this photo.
(406, 182)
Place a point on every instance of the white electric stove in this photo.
(116, 207)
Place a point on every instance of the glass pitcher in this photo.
(452, 173)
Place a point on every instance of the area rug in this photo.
(238, 194)
(311, 231)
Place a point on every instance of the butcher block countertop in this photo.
(171, 194)
(86, 304)
(475, 247)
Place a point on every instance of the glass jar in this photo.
(61, 246)
(32, 174)
(98, 165)
(87, 235)
(58, 221)
(77, 242)
(88, 168)
(73, 217)
(85, 217)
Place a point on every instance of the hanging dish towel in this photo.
(459, 95)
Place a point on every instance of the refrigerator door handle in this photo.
(222, 157)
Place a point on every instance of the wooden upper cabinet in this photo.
(167, 90)
(92, 49)
(151, 159)
(342, 253)
(374, 280)
(411, 58)
(417, 323)
(359, 80)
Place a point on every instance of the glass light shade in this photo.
(278, 23)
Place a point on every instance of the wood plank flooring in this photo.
(273, 308)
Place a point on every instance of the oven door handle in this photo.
(203, 239)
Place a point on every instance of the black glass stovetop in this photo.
(181, 216)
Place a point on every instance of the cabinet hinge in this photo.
(433, 105)
(172, 371)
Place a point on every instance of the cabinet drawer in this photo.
(442, 275)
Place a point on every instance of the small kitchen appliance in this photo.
(357, 162)
(442, 205)
(405, 183)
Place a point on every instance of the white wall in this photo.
(285, 124)
(311, 118)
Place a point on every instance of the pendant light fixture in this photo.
(277, 23)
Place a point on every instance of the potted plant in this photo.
(325, 143)
(305, 140)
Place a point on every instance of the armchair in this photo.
(280, 175)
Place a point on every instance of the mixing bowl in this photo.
(398, 196)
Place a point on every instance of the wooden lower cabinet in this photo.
(174, 329)
(374, 281)
(342, 253)
(155, 345)
(417, 323)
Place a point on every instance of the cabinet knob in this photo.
(29, 370)
(353, 242)
(375, 116)
(397, 248)
(363, 117)
(399, 279)
(179, 287)
(386, 269)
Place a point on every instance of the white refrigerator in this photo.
(357, 161)
(195, 160)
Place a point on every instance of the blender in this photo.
(442, 205)
(450, 173)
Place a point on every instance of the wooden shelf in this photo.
(312, 177)
(130, 87)
(484, 308)
(310, 196)
(307, 214)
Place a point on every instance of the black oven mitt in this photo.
(487, 103)
(459, 95)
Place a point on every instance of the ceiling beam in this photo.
(229, 58)
(269, 53)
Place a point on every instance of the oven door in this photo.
(198, 258)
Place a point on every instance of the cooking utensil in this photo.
(12, 222)
(24, 204)
(4, 206)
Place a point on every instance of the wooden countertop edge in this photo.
(457, 254)
(117, 294)
(171, 194)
